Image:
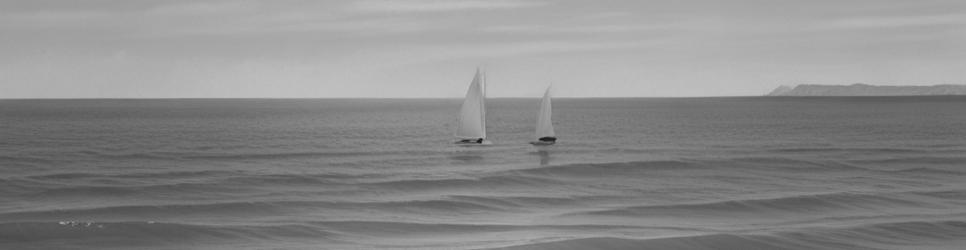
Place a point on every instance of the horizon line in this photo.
(441, 98)
(359, 97)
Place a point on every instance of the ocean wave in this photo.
(128, 155)
(784, 164)
(260, 155)
(127, 212)
(870, 236)
(452, 184)
(700, 242)
(135, 175)
(715, 170)
(127, 234)
(932, 160)
(781, 206)
(526, 201)
(137, 180)
(149, 233)
(634, 169)
(275, 156)
(300, 179)
(909, 234)
(25, 159)
(181, 189)
(847, 150)
(155, 184)
(955, 195)
(897, 233)
(930, 171)
(227, 185)
(12, 186)
(240, 209)
(613, 168)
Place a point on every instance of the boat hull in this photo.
(484, 143)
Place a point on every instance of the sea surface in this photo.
(643, 173)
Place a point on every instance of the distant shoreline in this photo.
(859, 89)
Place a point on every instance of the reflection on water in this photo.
(544, 156)
(466, 156)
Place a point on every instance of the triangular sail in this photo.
(472, 120)
(544, 125)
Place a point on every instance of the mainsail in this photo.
(544, 125)
(472, 120)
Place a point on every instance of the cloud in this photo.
(873, 22)
(435, 53)
(439, 5)
(282, 24)
(603, 28)
(53, 18)
(147, 17)
(203, 9)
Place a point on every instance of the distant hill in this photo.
(859, 89)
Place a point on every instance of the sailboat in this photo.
(544, 131)
(471, 127)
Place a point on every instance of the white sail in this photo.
(472, 120)
(544, 125)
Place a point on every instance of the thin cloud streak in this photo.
(439, 5)
(439, 53)
(608, 28)
(879, 22)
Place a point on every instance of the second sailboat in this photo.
(544, 130)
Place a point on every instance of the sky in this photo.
(431, 48)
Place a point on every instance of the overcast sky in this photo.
(430, 48)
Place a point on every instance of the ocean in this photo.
(636, 173)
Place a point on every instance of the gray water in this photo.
(659, 173)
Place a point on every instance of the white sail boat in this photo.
(471, 127)
(544, 131)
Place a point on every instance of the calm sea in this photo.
(651, 173)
